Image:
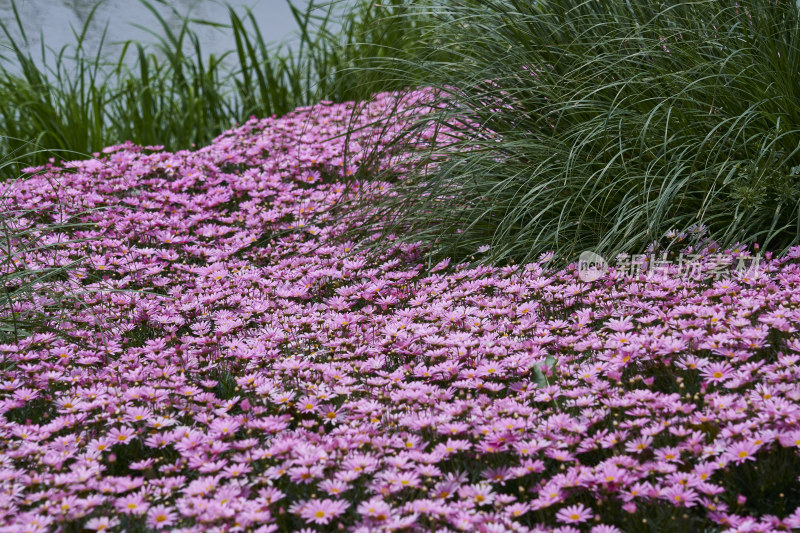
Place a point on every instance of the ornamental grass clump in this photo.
(258, 372)
(602, 124)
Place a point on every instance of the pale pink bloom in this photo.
(103, 523)
(574, 514)
(322, 511)
(160, 516)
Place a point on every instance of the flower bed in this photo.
(250, 372)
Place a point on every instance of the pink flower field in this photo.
(229, 362)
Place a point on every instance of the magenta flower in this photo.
(740, 452)
(717, 372)
(602, 528)
(681, 496)
(322, 511)
(132, 504)
(376, 509)
(574, 514)
(160, 516)
(121, 435)
(102, 523)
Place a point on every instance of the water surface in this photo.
(52, 22)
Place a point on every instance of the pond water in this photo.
(54, 21)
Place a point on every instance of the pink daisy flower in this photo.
(322, 511)
(121, 435)
(132, 504)
(742, 451)
(574, 514)
(160, 517)
(717, 372)
(375, 508)
(102, 523)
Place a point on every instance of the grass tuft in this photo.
(602, 125)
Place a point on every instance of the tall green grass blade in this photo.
(603, 124)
